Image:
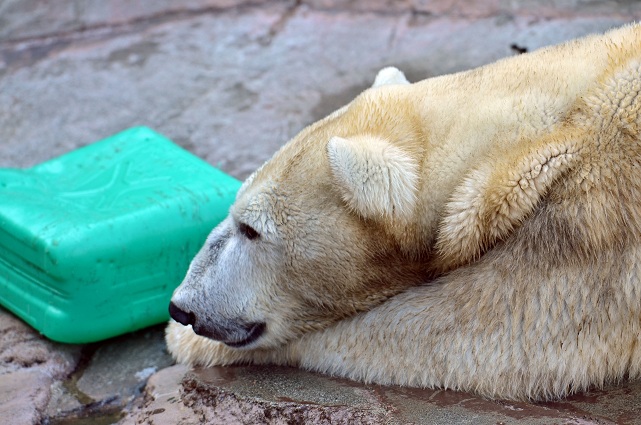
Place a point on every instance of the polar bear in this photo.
(479, 231)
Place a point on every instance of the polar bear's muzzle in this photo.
(232, 333)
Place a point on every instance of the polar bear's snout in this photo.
(181, 316)
(236, 335)
(218, 296)
(231, 333)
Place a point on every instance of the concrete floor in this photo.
(231, 81)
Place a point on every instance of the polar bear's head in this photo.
(315, 235)
(376, 197)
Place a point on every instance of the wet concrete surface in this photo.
(231, 81)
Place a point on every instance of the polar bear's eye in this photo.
(248, 231)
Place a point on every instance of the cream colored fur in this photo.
(478, 231)
(377, 179)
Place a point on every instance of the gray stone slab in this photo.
(61, 401)
(162, 403)
(481, 9)
(23, 20)
(31, 367)
(28, 19)
(21, 347)
(119, 369)
(274, 395)
(109, 377)
(23, 396)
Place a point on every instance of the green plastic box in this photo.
(93, 243)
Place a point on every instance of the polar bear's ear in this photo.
(389, 75)
(375, 178)
(495, 198)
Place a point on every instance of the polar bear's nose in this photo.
(181, 316)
